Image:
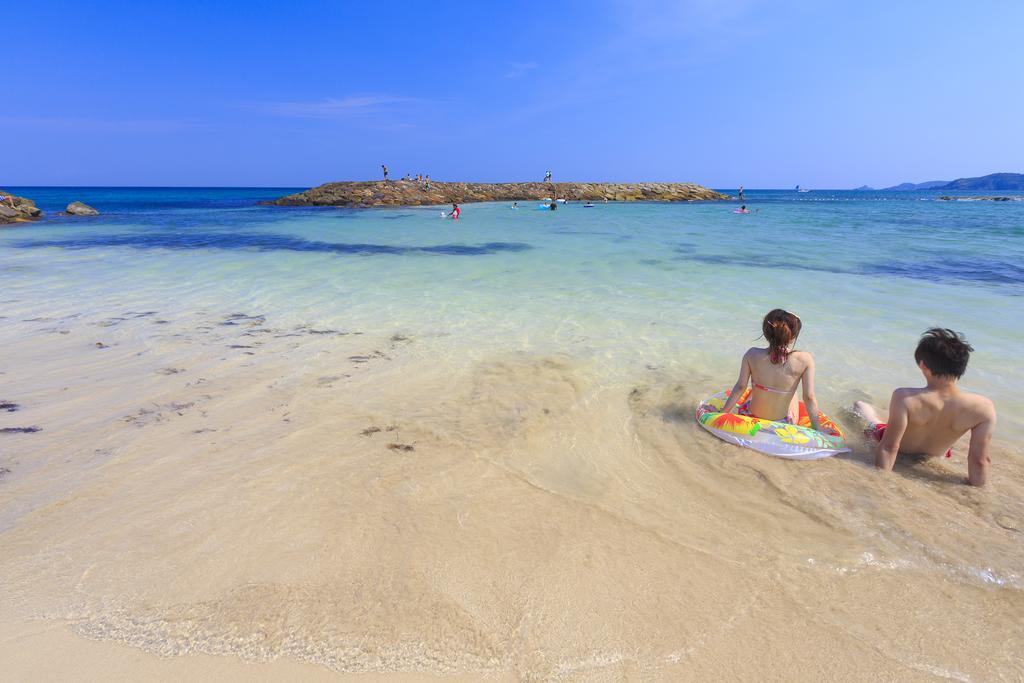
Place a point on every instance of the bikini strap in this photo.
(768, 389)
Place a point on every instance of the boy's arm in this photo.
(741, 384)
(889, 448)
(977, 457)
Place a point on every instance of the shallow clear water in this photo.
(624, 286)
(382, 441)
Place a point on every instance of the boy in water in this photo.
(928, 421)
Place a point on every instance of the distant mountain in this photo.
(863, 188)
(908, 187)
(992, 181)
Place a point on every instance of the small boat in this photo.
(801, 189)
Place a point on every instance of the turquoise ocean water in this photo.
(624, 287)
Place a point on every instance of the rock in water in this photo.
(80, 209)
(413, 193)
(23, 209)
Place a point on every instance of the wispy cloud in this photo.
(334, 108)
(519, 69)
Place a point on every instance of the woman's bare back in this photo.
(781, 381)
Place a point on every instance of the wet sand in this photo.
(222, 496)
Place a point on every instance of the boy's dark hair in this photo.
(944, 352)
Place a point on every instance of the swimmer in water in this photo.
(515, 205)
(455, 211)
(743, 209)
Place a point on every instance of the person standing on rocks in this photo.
(427, 182)
(385, 169)
(547, 177)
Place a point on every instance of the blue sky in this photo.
(765, 94)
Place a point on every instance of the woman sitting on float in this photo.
(775, 373)
(769, 417)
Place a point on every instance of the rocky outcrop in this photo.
(413, 193)
(980, 199)
(80, 209)
(23, 209)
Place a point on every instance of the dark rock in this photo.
(22, 209)
(80, 209)
(947, 198)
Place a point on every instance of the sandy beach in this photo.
(220, 490)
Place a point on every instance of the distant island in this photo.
(417, 193)
(992, 181)
(910, 187)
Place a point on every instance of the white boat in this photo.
(801, 189)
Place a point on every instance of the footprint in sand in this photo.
(374, 430)
(1008, 523)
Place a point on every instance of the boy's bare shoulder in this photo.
(903, 393)
(982, 405)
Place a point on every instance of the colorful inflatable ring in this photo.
(797, 442)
